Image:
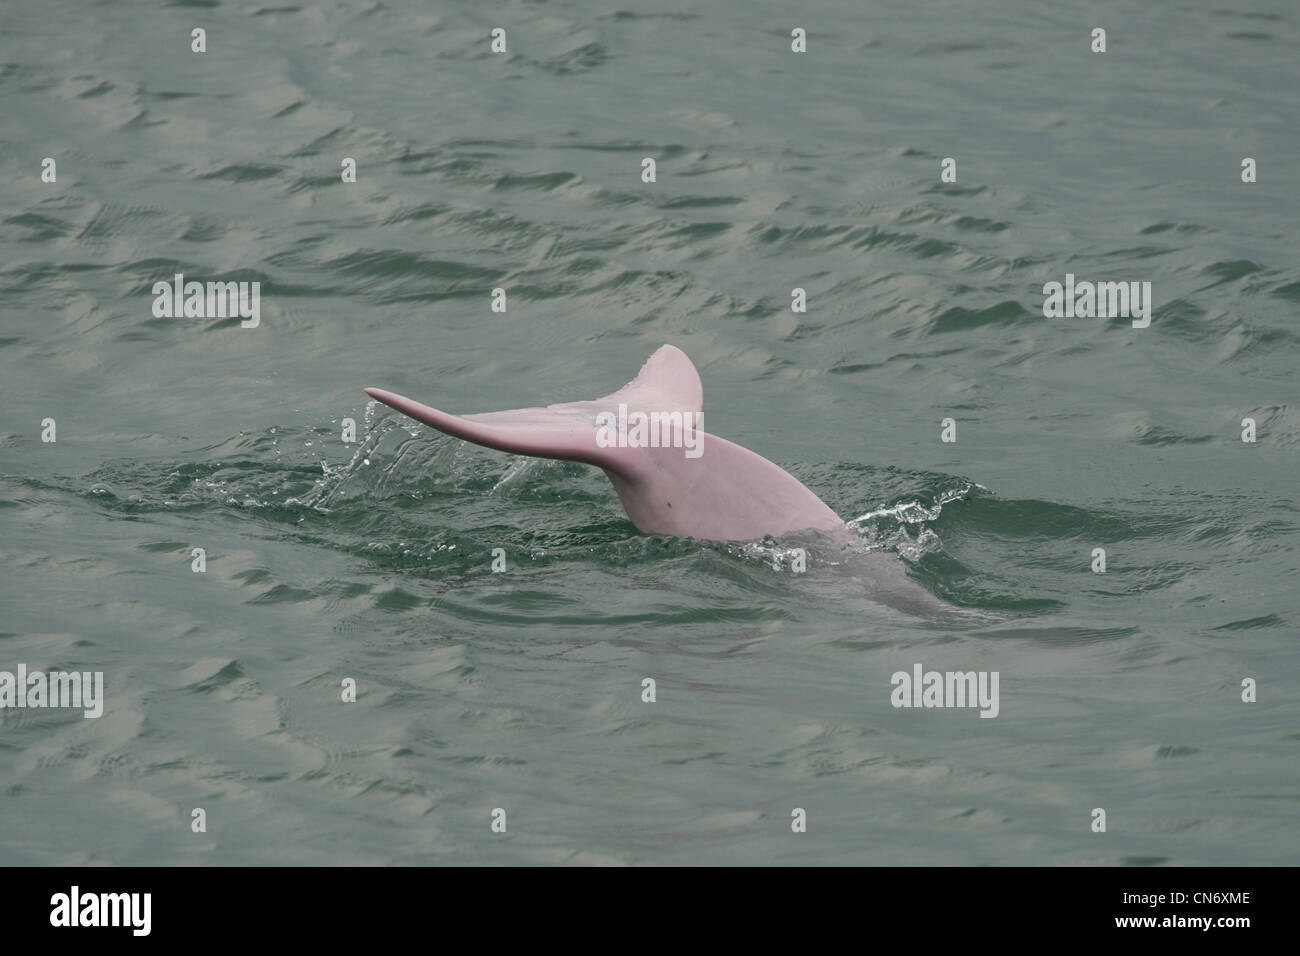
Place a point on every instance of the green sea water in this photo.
(522, 690)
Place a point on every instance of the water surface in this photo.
(522, 690)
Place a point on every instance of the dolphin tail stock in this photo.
(702, 486)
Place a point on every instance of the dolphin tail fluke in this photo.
(667, 382)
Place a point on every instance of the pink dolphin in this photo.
(675, 480)
(699, 486)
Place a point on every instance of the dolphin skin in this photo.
(673, 480)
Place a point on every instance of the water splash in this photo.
(902, 527)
